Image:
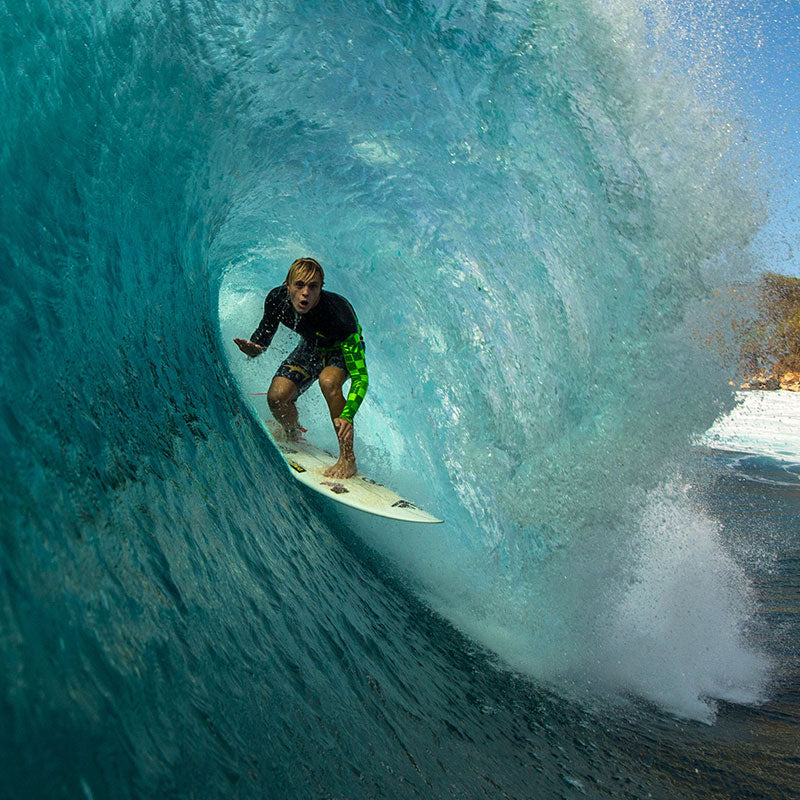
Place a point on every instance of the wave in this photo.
(530, 208)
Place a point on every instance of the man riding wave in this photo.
(331, 351)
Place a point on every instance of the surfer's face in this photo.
(304, 295)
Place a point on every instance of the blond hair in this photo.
(304, 269)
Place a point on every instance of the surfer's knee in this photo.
(281, 392)
(331, 380)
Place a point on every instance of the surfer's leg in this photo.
(281, 398)
(292, 378)
(331, 380)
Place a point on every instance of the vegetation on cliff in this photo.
(770, 343)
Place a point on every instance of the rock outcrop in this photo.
(789, 381)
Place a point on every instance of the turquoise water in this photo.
(532, 208)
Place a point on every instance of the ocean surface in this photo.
(535, 209)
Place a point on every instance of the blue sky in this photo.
(764, 69)
(750, 50)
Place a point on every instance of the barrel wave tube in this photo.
(531, 206)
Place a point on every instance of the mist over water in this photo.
(531, 207)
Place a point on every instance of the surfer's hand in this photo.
(249, 348)
(344, 430)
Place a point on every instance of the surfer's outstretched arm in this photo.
(249, 348)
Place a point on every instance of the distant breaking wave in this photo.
(763, 423)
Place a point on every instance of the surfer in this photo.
(331, 350)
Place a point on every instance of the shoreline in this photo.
(745, 388)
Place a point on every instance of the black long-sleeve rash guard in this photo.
(331, 325)
(325, 326)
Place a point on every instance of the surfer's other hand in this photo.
(249, 348)
(344, 430)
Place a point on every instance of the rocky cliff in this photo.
(770, 343)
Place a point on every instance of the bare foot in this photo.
(343, 468)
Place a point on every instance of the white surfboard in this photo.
(306, 463)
